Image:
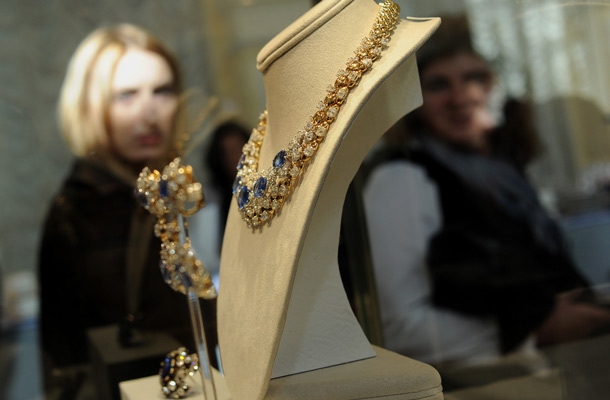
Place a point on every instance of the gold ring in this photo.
(175, 368)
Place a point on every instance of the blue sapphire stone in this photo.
(280, 159)
(186, 281)
(142, 198)
(163, 188)
(241, 162)
(244, 197)
(167, 367)
(260, 187)
(237, 184)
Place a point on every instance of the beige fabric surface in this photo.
(401, 378)
(387, 376)
(281, 296)
(149, 388)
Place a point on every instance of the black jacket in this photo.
(83, 264)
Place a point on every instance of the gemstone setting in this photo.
(244, 197)
(260, 187)
(280, 159)
(163, 188)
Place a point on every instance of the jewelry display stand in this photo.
(282, 309)
(285, 326)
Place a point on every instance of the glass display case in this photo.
(551, 54)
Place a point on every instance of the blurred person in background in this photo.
(468, 264)
(221, 159)
(206, 227)
(119, 111)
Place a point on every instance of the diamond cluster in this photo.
(260, 195)
(176, 366)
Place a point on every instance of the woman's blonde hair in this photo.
(86, 91)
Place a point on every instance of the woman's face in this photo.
(455, 91)
(143, 107)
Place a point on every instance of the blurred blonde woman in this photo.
(118, 111)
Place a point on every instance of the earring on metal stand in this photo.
(172, 195)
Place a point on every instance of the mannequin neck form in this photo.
(300, 61)
(282, 301)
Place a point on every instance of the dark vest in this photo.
(498, 253)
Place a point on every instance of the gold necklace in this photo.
(260, 195)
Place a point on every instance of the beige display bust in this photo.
(282, 309)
